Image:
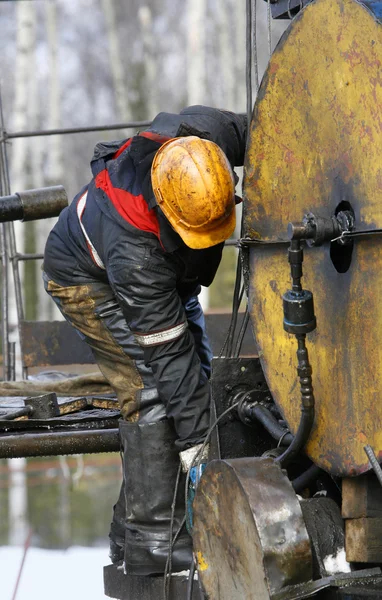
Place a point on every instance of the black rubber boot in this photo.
(117, 528)
(151, 464)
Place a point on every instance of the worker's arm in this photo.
(225, 128)
(146, 290)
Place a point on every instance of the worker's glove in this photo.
(193, 462)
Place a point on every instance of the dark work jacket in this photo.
(151, 271)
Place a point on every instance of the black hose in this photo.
(301, 437)
(304, 371)
(269, 422)
(306, 478)
(190, 583)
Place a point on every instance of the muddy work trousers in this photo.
(94, 312)
(139, 532)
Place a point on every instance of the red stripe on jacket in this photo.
(132, 208)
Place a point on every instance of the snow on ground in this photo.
(74, 574)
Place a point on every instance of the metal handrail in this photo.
(69, 130)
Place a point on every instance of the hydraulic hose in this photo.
(253, 411)
(299, 319)
(306, 478)
(307, 404)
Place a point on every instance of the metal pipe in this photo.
(43, 203)
(4, 300)
(56, 443)
(20, 256)
(260, 413)
(4, 258)
(12, 360)
(374, 462)
(307, 404)
(31, 205)
(306, 478)
(70, 130)
(11, 240)
(248, 66)
(22, 412)
(250, 410)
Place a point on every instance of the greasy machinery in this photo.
(290, 504)
(312, 191)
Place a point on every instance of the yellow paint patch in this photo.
(202, 564)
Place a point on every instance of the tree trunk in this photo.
(226, 56)
(196, 58)
(20, 154)
(116, 65)
(47, 309)
(145, 19)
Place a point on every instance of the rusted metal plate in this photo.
(316, 145)
(249, 536)
(48, 343)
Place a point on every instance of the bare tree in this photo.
(116, 64)
(47, 310)
(146, 22)
(196, 58)
(26, 40)
(226, 56)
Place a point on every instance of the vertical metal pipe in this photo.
(12, 360)
(248, 68)
(4, 300)
(254, 45)
(4, 267)
(11, 240)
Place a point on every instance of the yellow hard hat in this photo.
(194, 186)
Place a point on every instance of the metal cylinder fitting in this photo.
(35, 204)
(298, 312)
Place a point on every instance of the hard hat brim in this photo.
(198, 240)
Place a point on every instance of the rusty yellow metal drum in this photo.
(315, 146)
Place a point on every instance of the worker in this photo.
(124, 264)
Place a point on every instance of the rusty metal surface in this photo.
(56, 443)
(315, 144)
(43, 203)
(56, 342)
(53, 343)
(33, 204)
(11, 208)
(249, 536)
(44, 406)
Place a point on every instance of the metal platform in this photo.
(129, 587)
